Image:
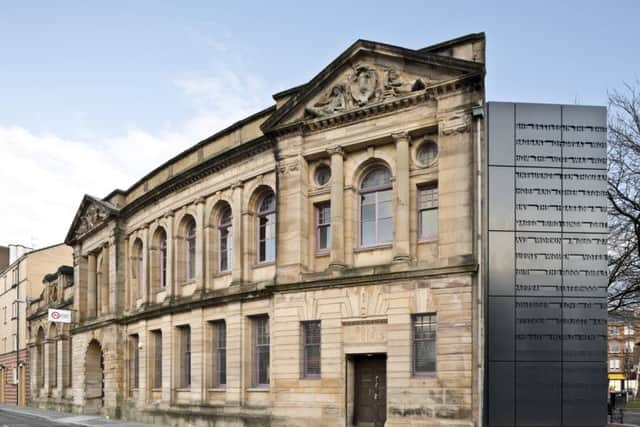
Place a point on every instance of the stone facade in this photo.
(212, 292)
(20, 282)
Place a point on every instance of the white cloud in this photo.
(43, 176)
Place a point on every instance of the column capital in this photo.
(335, 150)
(399, 136)
(200, 201)
(237, 185)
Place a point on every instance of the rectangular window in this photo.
(156, 337)
(311, 349)
(15, 342)
(614, 347)
(219, 354)
(14, 310)
(4, 314)
(260, 351)
(134, 361)
(185, 356)
(424, 343)
(428, 212)
(323, 227)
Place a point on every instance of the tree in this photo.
(624, 198)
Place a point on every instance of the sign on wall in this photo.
(59, 316)
(546, 260)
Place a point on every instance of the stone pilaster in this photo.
(337, 208)
(80, 288)
(401, 216)
(170, 286)
(200, 243)
(105, 275)
(237, 232)
(144, 274)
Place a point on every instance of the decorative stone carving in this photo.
(92, 216)
(395, 85)
(454, 124)
(363, 87)
(335, 101)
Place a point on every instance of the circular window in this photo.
(323, 175)
(427, 153)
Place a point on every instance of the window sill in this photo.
(156, 390)
(188, 282)
(183, 389)
(427, 240)
(264, 264)
(265, 389)
(217, 389)
(220, 274)
(323, 253)
(311, 377)
(424, 376)
(373, 248)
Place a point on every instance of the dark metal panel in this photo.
(501, 131)
(584, 329)
(501, 328)
(584, 393)
(585, 265)
(538, 394)
(538, 199)
(538, 329)
(501, 384)
(501, 274)
(538, 264)
(538, 135)
(501, 198)
(584, 137)
(585, 202)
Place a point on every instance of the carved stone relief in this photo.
(92, 216)
(361, 87)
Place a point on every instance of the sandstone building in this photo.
(314, 264)
(21, 281)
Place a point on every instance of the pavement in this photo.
(26, 416)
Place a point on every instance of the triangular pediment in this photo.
(91, 215)
(366, 75)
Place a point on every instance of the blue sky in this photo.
(95, 94)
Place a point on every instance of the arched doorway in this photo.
(94, 378)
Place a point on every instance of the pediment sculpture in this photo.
(91, 217)
(363, 87)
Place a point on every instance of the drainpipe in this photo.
(478, 115)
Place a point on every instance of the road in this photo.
(9, 419)
(632, 417)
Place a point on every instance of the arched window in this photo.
(40, 358)
(267, 228)
(137, 270)
(158, 259)
(225, 238)
(376, 211)
(190, 249)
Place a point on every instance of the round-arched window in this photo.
(190, 249)
(427, 153)
(224, 239)
(376, 210)
(267, 228)
(323, 175)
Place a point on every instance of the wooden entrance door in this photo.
(371, 391)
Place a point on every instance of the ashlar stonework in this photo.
(311, 265)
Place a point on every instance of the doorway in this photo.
(370, 390)
(94, 378)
